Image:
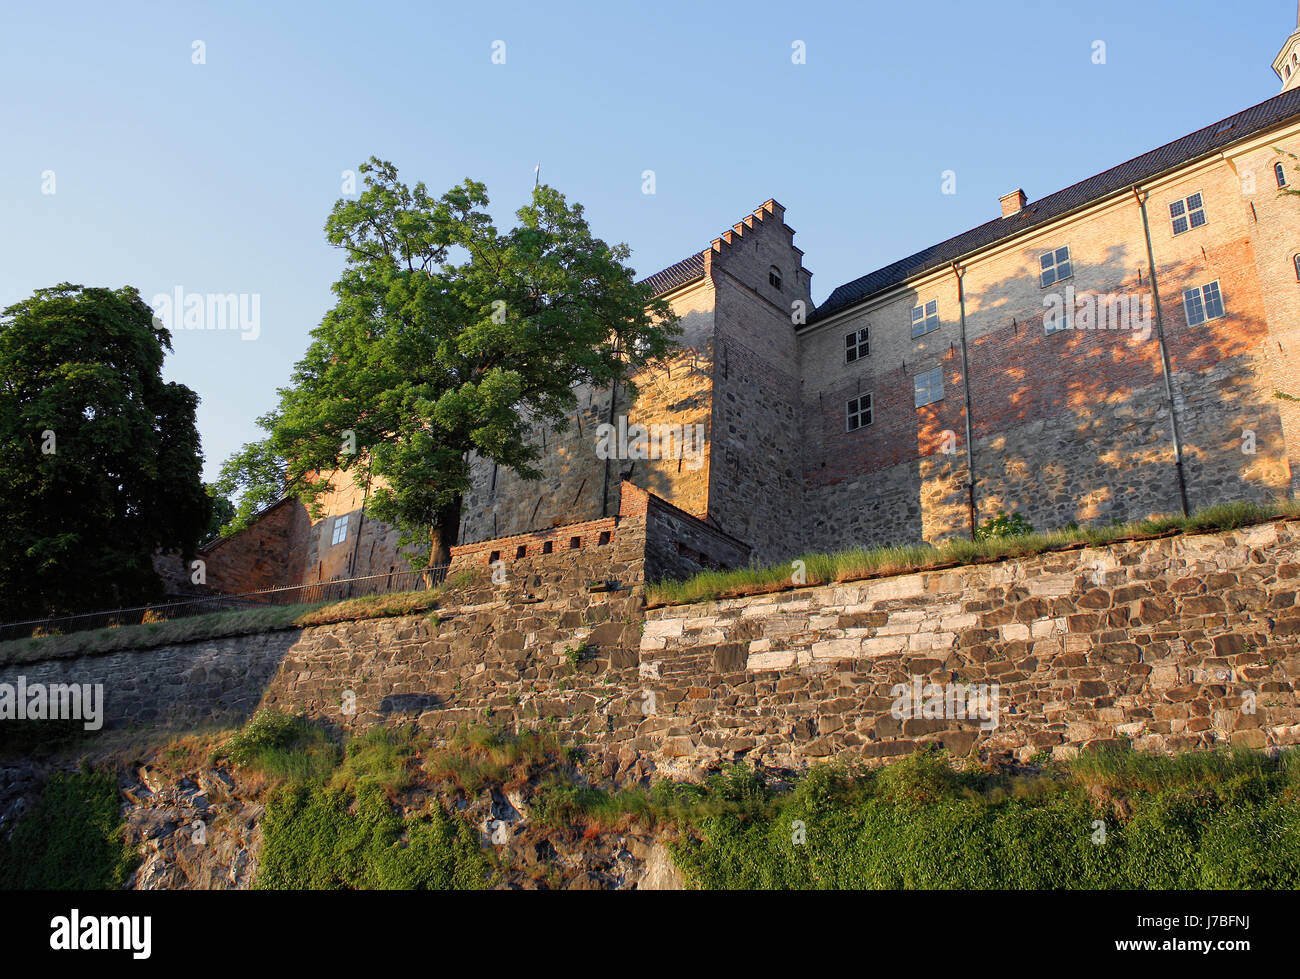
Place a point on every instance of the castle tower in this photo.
(1287, 63)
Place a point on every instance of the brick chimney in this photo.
(1013, 202)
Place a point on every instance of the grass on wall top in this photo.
(861, 563)
(216, 625)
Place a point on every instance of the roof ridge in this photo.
(1167, 156)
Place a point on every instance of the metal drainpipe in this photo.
(1164, 352)
(965, 383)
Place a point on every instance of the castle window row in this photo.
(928, 388)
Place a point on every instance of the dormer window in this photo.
(774, 278)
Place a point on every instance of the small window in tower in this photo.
(494, 557)
(340, 530)
(603, 539)
(548, 547)
(774, 277)
(521, 551)
(1286, 71)
(1279, 171)
(575, 543)
(857, 345)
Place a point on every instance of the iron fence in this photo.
(184, 606)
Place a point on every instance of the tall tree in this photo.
(99, 458)
(448, 338)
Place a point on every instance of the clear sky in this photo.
(217, 177)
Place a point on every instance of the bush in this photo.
(283, 746)
(1003, 526)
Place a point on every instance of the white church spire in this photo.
(1287, 63)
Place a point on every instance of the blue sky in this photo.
(218, 177)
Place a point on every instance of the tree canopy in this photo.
(448, 338)
(100, 464)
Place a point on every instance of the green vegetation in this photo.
(73, 839)
(242, 622)
(1003, 526)
(100, 463)
(316, 837)
(150, 634)
(330, 821)
(820, 569)
(480, 335)
(1204, 820)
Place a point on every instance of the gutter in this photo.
(965, 383)
(1164, 351)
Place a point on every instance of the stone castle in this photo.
(1125, 346)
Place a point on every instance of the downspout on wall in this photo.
(1140, 197)
(965, 383)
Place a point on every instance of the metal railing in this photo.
(184, 606)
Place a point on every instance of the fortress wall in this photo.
(1173, 643)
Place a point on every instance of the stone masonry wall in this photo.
(1163, 642)
(1172, 643)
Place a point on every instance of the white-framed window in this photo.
(1203, 303)
(340, 530)
(1188, 213)
(925, 319)
(857, 413)
(1279, 171)
(857, 345)
(1055, 265)
(774, 277)
(929, 387)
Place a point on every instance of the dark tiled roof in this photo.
(687, 270)
(1181, 151)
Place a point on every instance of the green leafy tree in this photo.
(223, 513)
(448, 338)
(99, 457)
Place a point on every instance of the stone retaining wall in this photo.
(1175, 643)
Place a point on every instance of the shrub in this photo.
(1003, 526)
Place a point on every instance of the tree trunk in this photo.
(443, 534)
